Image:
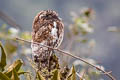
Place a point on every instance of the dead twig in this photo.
(67, 53)
(81, 76)
(9, 20)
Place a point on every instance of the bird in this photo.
(47, 29)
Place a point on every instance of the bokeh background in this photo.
(107, 13)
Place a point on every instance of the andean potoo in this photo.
(47, 29)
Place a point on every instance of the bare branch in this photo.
(76, 57)
(9, 20)
(81, 76)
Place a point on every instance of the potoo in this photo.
(47, 29)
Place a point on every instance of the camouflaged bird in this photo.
(47, 29)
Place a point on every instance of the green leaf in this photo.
(23, 72)
(14, 75)
(72, 74)
(10, 47)
(26, 35)
(3, 58)
(84, 40)
(3, 27)
(16, 65)
(87, 77)
(4, 77)
(56, 75)
(40, 77)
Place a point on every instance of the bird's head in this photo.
(48, 14)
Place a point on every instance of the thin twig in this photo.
(81, 76)
(108, 72)
(64, 52)
(9, 20)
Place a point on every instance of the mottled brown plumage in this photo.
(48, 29)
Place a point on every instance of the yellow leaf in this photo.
(16, 65)
(40, 77)
(72, 74)
(56, 75)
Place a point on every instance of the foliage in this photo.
(78, 32)
(3, 58)
(11, 73)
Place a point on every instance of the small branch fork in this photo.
(76, 57)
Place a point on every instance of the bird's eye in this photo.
(47, 15)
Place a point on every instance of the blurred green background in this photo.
(107, 14)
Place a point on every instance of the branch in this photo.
(9, 20)
(76, 57)
(81, 76)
